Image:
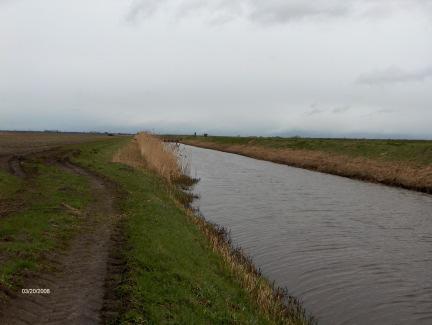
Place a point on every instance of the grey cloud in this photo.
(378, 112)
(394, 75)
(276, 11)
(272, 11)
(220, 11)
(315, 111)
(284, 11)
(143, 8)
(340, 109)
(386, 111)
(336, 110)
(5, 2)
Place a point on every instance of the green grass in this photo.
(40, 225)
(174, 275)
(414, 151)
(9, 185)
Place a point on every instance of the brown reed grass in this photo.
(149, 151)
(130, 155)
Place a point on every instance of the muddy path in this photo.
(15, 166)
(80, 288)
(12, 164)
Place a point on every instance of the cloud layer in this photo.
(394, 75)
(217, 66)
(275, 11)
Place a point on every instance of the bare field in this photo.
(18, 143)
(15, 144)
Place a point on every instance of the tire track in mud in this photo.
(78, 290)
(15, 166)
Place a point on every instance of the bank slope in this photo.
(173, 273)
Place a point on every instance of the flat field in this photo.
(18, 143)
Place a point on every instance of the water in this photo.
(354, 252)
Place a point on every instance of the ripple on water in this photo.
(354, 252)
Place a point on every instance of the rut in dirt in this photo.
(15, 166)
(78, 289)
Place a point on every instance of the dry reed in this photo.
(149, 151)
(130, 155)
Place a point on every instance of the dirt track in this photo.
(78, 289)
(14, 164)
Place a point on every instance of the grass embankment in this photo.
(180, 268)
(403, 163)
(37, 215)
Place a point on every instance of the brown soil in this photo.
(80, 287)
(15, 166)
(22, 143)
(11, 205)
(399, 174)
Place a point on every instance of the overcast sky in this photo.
(249, 67)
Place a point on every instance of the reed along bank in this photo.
(402, 163)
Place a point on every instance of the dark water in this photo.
(354, 252)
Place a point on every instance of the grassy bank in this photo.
(404, 163)
(176, 274)
(37, 215)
